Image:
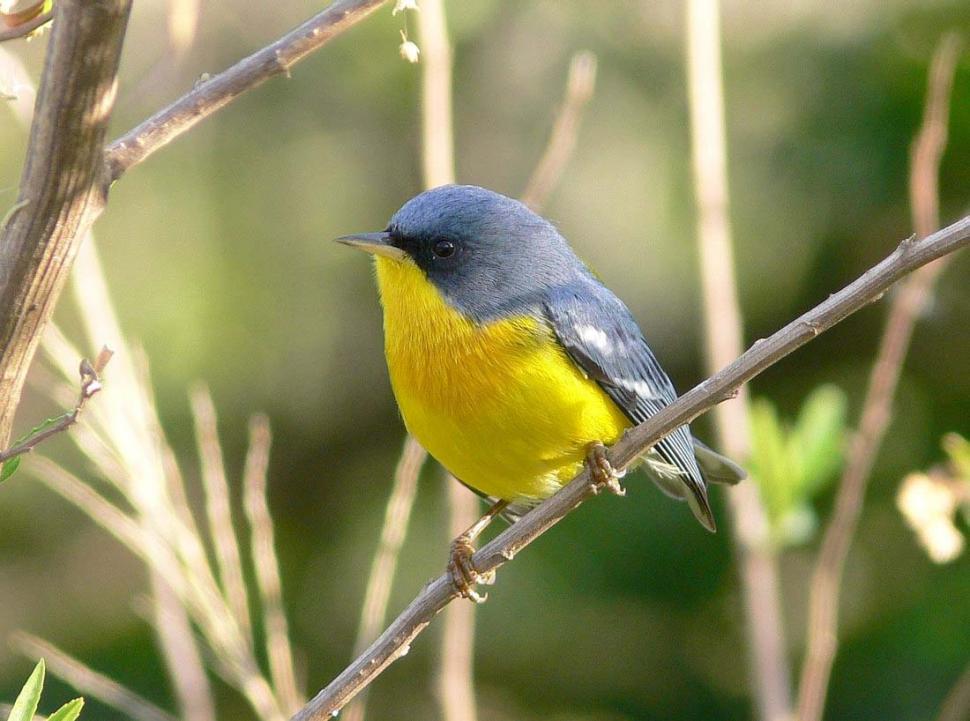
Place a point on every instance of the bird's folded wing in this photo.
(598, 332)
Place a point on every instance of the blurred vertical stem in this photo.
(723, 333)
(911, 296)
(456, 691)
(455, 685)
(397, 518)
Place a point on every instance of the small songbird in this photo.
(512, 364)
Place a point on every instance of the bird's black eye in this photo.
(444, 249)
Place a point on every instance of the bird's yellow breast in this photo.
(500, 404)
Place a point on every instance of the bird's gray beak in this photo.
(376, 243)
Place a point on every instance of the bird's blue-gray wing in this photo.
(598, 332)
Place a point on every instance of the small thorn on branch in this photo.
(907, 243)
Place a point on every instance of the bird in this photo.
(513, 365)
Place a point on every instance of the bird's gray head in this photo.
(485, 253)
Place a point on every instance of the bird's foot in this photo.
(604, 475)
(464, 577)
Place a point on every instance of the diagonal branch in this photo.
(822, 641)
(565, 130)
(395, 641)
(217, 92)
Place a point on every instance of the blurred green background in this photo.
(219, 257)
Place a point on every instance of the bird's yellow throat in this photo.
(500, 405)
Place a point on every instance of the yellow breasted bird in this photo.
(510, 361)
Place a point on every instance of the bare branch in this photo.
(218, 91)
(396, 640)
(822, 631)
(87, 680)
(770, 675)
(562, 141)
(61, 185)
(90, 384)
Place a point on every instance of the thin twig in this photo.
(87, 680)
(770, 675)
(267, 566)
(396, 639)
(218, 509)
(822, 632)
(397, 519)
(956, 705)
(218, 91)
(562, 141)
(90, 384)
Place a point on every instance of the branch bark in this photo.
(823, 616)
(61, 189)
(217, 92)
(395, 641)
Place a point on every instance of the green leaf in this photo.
(68, 712)
(818, 439)
(958, 448)
(9, 468)
(770, 463)
(25, 706)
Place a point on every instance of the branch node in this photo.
(907, 244)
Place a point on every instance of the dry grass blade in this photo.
(218, 508)
(397, 520)
(266, 565)
(565, 130)
(88, 681)
(180, 652)
(822, 633)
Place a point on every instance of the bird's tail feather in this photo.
(715, 467)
